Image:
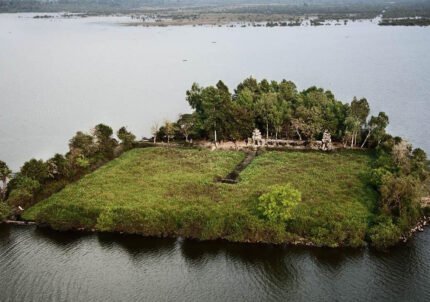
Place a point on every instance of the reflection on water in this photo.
(38, 264)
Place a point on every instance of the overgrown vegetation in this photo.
(168, 191)
(38, 179)
(279, 110)
(330, 199)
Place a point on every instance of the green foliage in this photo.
(35, 169)
(278, 110)
(127, 138)
(384, 233)
(104, 141)
(82, 144)
(23, 190)
(5, 174)
(279, 203)
(59, 167)
(168, 191)
(5, 211)
(83, 162)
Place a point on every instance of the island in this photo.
(263, 163)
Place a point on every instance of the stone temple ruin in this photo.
(326, 141)
(256, 140)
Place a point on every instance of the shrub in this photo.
(23, 191)
(384, 233)
(70, 216)
(277, 205)
(5, 211)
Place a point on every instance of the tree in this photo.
(81, 143)
(359, 110)
(59, 167)
(186, 123)
(23, 191)
(376, 127)
(104, 140)
(265, 108)
(154, 131)
(5, 175)
(287, 91)
(127, 138)
(215, 105)
(169, 130)
(279, 115)
(278, 204)
(194, 97)
(35, 169)
(398, 193)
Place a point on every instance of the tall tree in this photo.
(154, 131)
(215, 105)
(186, 123)
(103, 138)
(265, 108)
(359, 110)
(376, 127)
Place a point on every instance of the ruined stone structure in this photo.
(326, 144)
(256, 138)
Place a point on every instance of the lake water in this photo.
(44, 265)
(58, 76)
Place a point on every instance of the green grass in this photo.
(167, 191)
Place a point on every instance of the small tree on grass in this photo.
(278, 204)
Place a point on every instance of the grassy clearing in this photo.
(166, 191)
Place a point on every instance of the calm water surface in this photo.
(44, 265)
(59, 76)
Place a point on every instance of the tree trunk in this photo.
(276, 134)
(298, 133)
(155, 139)
(365, 140)
(267, 130)
(215, 136)
(186, 138)
(3, 190)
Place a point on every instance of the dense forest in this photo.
(279, 111)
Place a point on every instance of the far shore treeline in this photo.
(399, 173)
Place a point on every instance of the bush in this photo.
(70, 216)
(5, 211)
(277, 205)
(384, 233)
(23, 191)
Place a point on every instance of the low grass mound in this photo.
(172, 192)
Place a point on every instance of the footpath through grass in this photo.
(168, 191)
